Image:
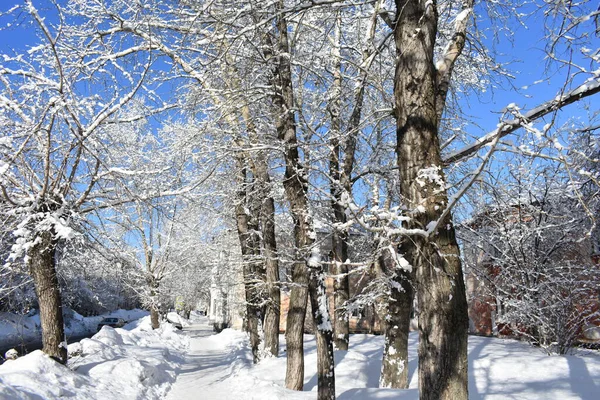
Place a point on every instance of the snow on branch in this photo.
(589, 88)
(454, 48)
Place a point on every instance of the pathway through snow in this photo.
(205, 364)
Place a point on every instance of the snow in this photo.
(499, 369)
(138, 363)
(462, 16)
(315, 257)
(134, 362)
(430, 174)
(27, 328)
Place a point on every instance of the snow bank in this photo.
(134, 362)
(16, 328)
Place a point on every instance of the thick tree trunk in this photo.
(443, 320)
(43, 270)
(394, 369)
(296, 187)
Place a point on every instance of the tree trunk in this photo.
(43, 270)
(154, 315)
(272, 313)
(324, 335)
(339, 236)
(154, 306)
(443, 320)
(260, 168)
(394, 369)
(296, 187)
(342, 178)
(341, 289)
(294, 331)
(249, 243)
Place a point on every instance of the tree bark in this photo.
(271, 258)
(294, 331)
(247, 233)
(42, 265)
(154, 306)
(342, 177)
(443, 320)
(394, 369)
(272, 312)
(260, 168)
(324, 335)
(296, 187)
(154, 316)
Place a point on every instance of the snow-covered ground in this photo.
(499, 369)
(138, 363)
(23, 328)
(133, 362)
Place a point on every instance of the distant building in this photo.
(227, 296)
(364, 320)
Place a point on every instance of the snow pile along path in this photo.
(16, 329)
(133, 362)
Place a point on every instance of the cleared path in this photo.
(203, 368)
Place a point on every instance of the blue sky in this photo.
(525, 58)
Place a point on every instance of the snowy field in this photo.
(138, 363)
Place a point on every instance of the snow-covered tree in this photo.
(530, 247)
(59, 100)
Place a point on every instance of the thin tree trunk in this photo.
(294, 331)
(247, 232)
(43, 270)
(342, 177)
(443, 320)
(324, 335)
(272, 313)
(341, 286)
(339, 236)
(296, 186)
(394, 370)
(271, 258)
(260, 168)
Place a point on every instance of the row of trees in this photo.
(159, 126)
